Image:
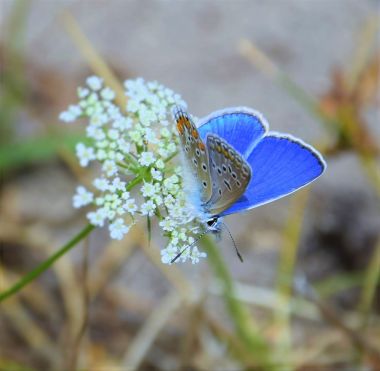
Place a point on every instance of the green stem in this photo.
(371, 281)
(46, 264)
(246, 329)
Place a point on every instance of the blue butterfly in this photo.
(237, 164)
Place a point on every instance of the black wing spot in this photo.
(220, 191)
(204, 184)
(213, 165)
(234, 175)
(219, 170)
(187, 148)
(224, 168)
(197, 152)
(230, 169)
(204, 167)
(238, 183)
(227, 185)
(195, 161)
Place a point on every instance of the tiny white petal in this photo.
(94, 82)
(107, 94)
(146, 158)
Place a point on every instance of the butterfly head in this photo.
(213, 224)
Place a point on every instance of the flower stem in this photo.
(46, 264)
(245, 326)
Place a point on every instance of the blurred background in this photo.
(307, 295)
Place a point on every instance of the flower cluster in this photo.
(134, 146)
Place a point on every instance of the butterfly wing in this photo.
(194, 150)
(281, 164)
(241, 127)
(230, 174)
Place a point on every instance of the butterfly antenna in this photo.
(189, 246)
(236, 249)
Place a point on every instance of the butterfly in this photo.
(233, 163)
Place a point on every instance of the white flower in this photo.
(150, 136)
(135, 136)
(165, 133)
(167, 224)
(130, 206)
(160, 164)
(147, 117)
(97, 217)
(168, 254)
(109, 167)
(99, 119)
(171, 184)
(71, 114)
(123, 145)
(140, 137)
(164, 122)
(95, 132)
(172, 147)
(158, 200)
(148, 208)
(169, 200)
(195, 255)
(94, 82)
(85, 154)
(149, 189)
(82, 197)
(101, 154)
(133, 106)
(101, 184)
(117, 185)
(82, 92)
(66, 116)
(146, 158)
(125, 196)
(122, 123)
(156, 175)
(113, 134)
(107, 94)
(118, 229)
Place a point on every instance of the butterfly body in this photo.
(233, 163)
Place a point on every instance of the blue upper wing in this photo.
(280, 165)
(241, 127)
